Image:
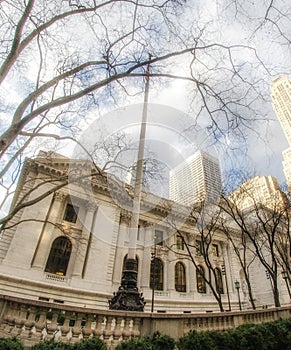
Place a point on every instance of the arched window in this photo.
(59, 256)
(180, 277)
(201, 285)
(157, 274)
(218, 281)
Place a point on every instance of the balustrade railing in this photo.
(33, 321)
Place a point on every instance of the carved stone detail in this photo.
(60, 196)
(125, 216)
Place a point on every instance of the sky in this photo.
(263, 150)
(260, 152)
(170, 142)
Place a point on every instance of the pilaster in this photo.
(28, 232)
(146, 261)
(84, 240)
(54, 217)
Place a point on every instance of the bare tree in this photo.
(205, 222)
(239, 243)
(271, 16)
(60, 60)
(261, 221)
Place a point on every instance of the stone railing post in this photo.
(52, 326)
(77, 329)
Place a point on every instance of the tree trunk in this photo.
(250, 294)
(276, 295)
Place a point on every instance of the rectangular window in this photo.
(158, 237)
(215, 250)
(138, 233)
(71, 213)
(198, 247)
(180, 243)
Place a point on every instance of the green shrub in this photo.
(196, 340)
(90, 344)
(281, 333)
(267, 336)
(250, 337)
(133, 344)
(51, 345)
(162, 342)
(10, 344)
(157, 341)
(222, 340)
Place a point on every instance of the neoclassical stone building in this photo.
(69, 247)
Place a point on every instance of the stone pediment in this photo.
(60, 165)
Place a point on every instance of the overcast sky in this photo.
(263, 152)
(222, 21)
(228, 22)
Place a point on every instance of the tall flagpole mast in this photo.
(128, 297)
(139, 173)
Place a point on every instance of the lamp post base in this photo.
(128, 298)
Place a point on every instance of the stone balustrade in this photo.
(33, 321)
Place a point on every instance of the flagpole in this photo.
(139, 174)
(128, 297)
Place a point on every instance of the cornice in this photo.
(60, 167)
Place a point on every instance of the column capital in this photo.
(148, 224)
(60, 196)
(125, 216)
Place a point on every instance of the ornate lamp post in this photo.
(226, 283)
(285, 277)
(237, 286)
(128, 297)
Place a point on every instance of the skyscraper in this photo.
(197, 179)
(281, 100)
(287, 166)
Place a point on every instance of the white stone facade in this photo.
(98, 243)
(259, 190)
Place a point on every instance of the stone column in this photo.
(146, 261)
(83, 240)
(171, 271)
(26, 237)
(55, 213)
(54, 217)
(120, 249)
(228, 268)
